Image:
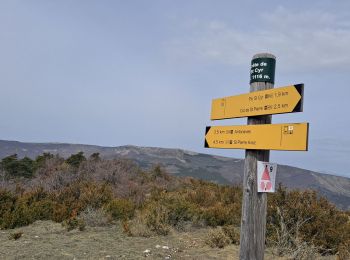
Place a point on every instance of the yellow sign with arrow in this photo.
(289, 137)
(287, 99)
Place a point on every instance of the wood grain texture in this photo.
(253, 222)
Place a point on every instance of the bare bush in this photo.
(344, 251)
(156, 218)
(137, 227)
(232, 233)
(217, 238)
(288, 242)
(95, 217)
(114, 171)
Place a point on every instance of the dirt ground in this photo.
(49, 240)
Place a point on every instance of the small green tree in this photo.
(41, 159)
(8, 163)
(76, 159)
(95, 157)
(18, 168)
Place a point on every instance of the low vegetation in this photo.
(80, 192)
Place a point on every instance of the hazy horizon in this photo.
(209, 152)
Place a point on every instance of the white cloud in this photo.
(303, 40)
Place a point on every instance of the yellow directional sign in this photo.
(273, 101)
(291, 137)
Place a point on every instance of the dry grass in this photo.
(95, 217)
(49, 240)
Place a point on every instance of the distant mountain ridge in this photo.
(186, 163)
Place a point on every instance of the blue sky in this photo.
(144, 72)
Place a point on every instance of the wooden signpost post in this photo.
(258, 138)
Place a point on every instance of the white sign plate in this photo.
(266, 176)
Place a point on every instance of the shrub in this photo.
(7, 203)
(31, 206)
(217, 238)
(60, 212)
(126, 227)
(79, 195)
(94, 217)
(94, 194)
(40, 160)
(179, 210)
(137, 227)
(158, 172)
(344, 250)
(15, 236)
(287, 241)
(25, 208)
(156, 218)
(231, 232)
(218, 215)
(120, 209)
(203, 195)
(42, 209)
(74, 223)
(305, 217)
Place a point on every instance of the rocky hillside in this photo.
(185, 163)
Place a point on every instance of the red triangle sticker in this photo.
(266, 175)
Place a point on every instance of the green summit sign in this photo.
(263, 70)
